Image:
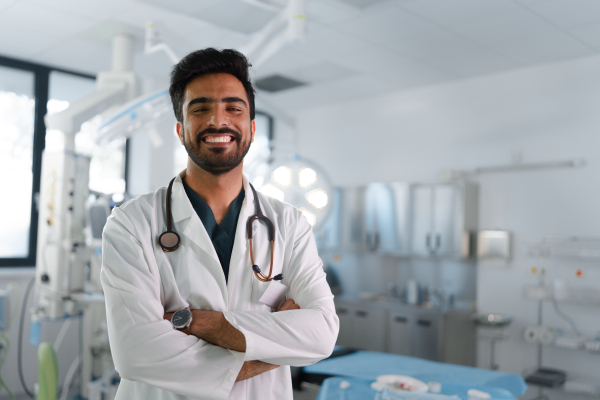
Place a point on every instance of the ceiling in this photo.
(353, 48)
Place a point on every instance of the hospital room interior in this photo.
(445, 153)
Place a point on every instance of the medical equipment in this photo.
(5, 314)
(301, 183)
(169, 240)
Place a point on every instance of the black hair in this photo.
(208, 61)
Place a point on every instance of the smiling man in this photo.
(187, 318)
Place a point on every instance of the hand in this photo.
(289, 305)
(251, 369)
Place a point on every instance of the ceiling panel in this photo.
(26, 44)
(33, 17)
(236, 15)
(517, 24)
(589, 34)
(94, 10)
(455, 12)
(478, 63)
(569, 13)
(437, 45)
(322, 72)
(323, 41)
(555, 47)
(383, 25)
(77, 54)
(328, 12)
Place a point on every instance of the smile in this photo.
(218, 139)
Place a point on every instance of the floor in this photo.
(308, 392)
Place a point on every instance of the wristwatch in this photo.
(182, 318)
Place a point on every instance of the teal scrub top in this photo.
(222, 236)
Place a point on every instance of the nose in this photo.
(218, 118)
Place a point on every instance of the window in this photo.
(17, 118)
(27, 92)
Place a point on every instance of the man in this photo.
(234, 347)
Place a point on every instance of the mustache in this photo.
(213, 131)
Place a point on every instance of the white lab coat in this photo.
(141, 282)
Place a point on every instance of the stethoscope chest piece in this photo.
(169, 241)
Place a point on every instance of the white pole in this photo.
(122, 53)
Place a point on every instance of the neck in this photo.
(217, 191)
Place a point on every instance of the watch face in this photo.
(181, 318)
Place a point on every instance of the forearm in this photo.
(250, 369)
(212, 327)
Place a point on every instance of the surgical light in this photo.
(317, 199)
(301, 183)
(307, 177)
(282, 176)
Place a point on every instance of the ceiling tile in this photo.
(77, 54)
(590, 34)
(450, 13)
(555, 47)
(436, 45)
(235, 15)
(327, 12)
(569, 13)
(478, 63)
(287, 59)
(25, 44)
(517, 24)
(4, 4)
(385, 24)
(403, 78)
(33, 17)
(323, 41)
(375, 59)
(93, 10)
(322, 72)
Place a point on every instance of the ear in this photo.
(253, 131)
(180, 132)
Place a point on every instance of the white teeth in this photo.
(218, 139)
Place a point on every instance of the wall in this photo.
(545, 113)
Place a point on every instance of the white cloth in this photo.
(141, 282)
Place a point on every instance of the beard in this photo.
(212, 160)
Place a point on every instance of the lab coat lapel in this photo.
(240, 244)
(195, 231)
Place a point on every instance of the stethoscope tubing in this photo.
(169, 240)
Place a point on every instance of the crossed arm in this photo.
(212, 327)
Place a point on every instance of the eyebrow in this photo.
(204, 100)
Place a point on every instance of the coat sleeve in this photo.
(145, 347)
(296, 337)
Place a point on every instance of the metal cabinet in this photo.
(386, 217)
(361, 327)
(442, 215)
(400, 333)
(432, 334)
(426, 331)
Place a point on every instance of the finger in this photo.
(286, 305)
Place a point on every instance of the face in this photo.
(216, 129)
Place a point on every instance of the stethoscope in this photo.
(169, 240)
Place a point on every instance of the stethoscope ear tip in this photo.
(278, 277)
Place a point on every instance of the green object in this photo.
(47, 372)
